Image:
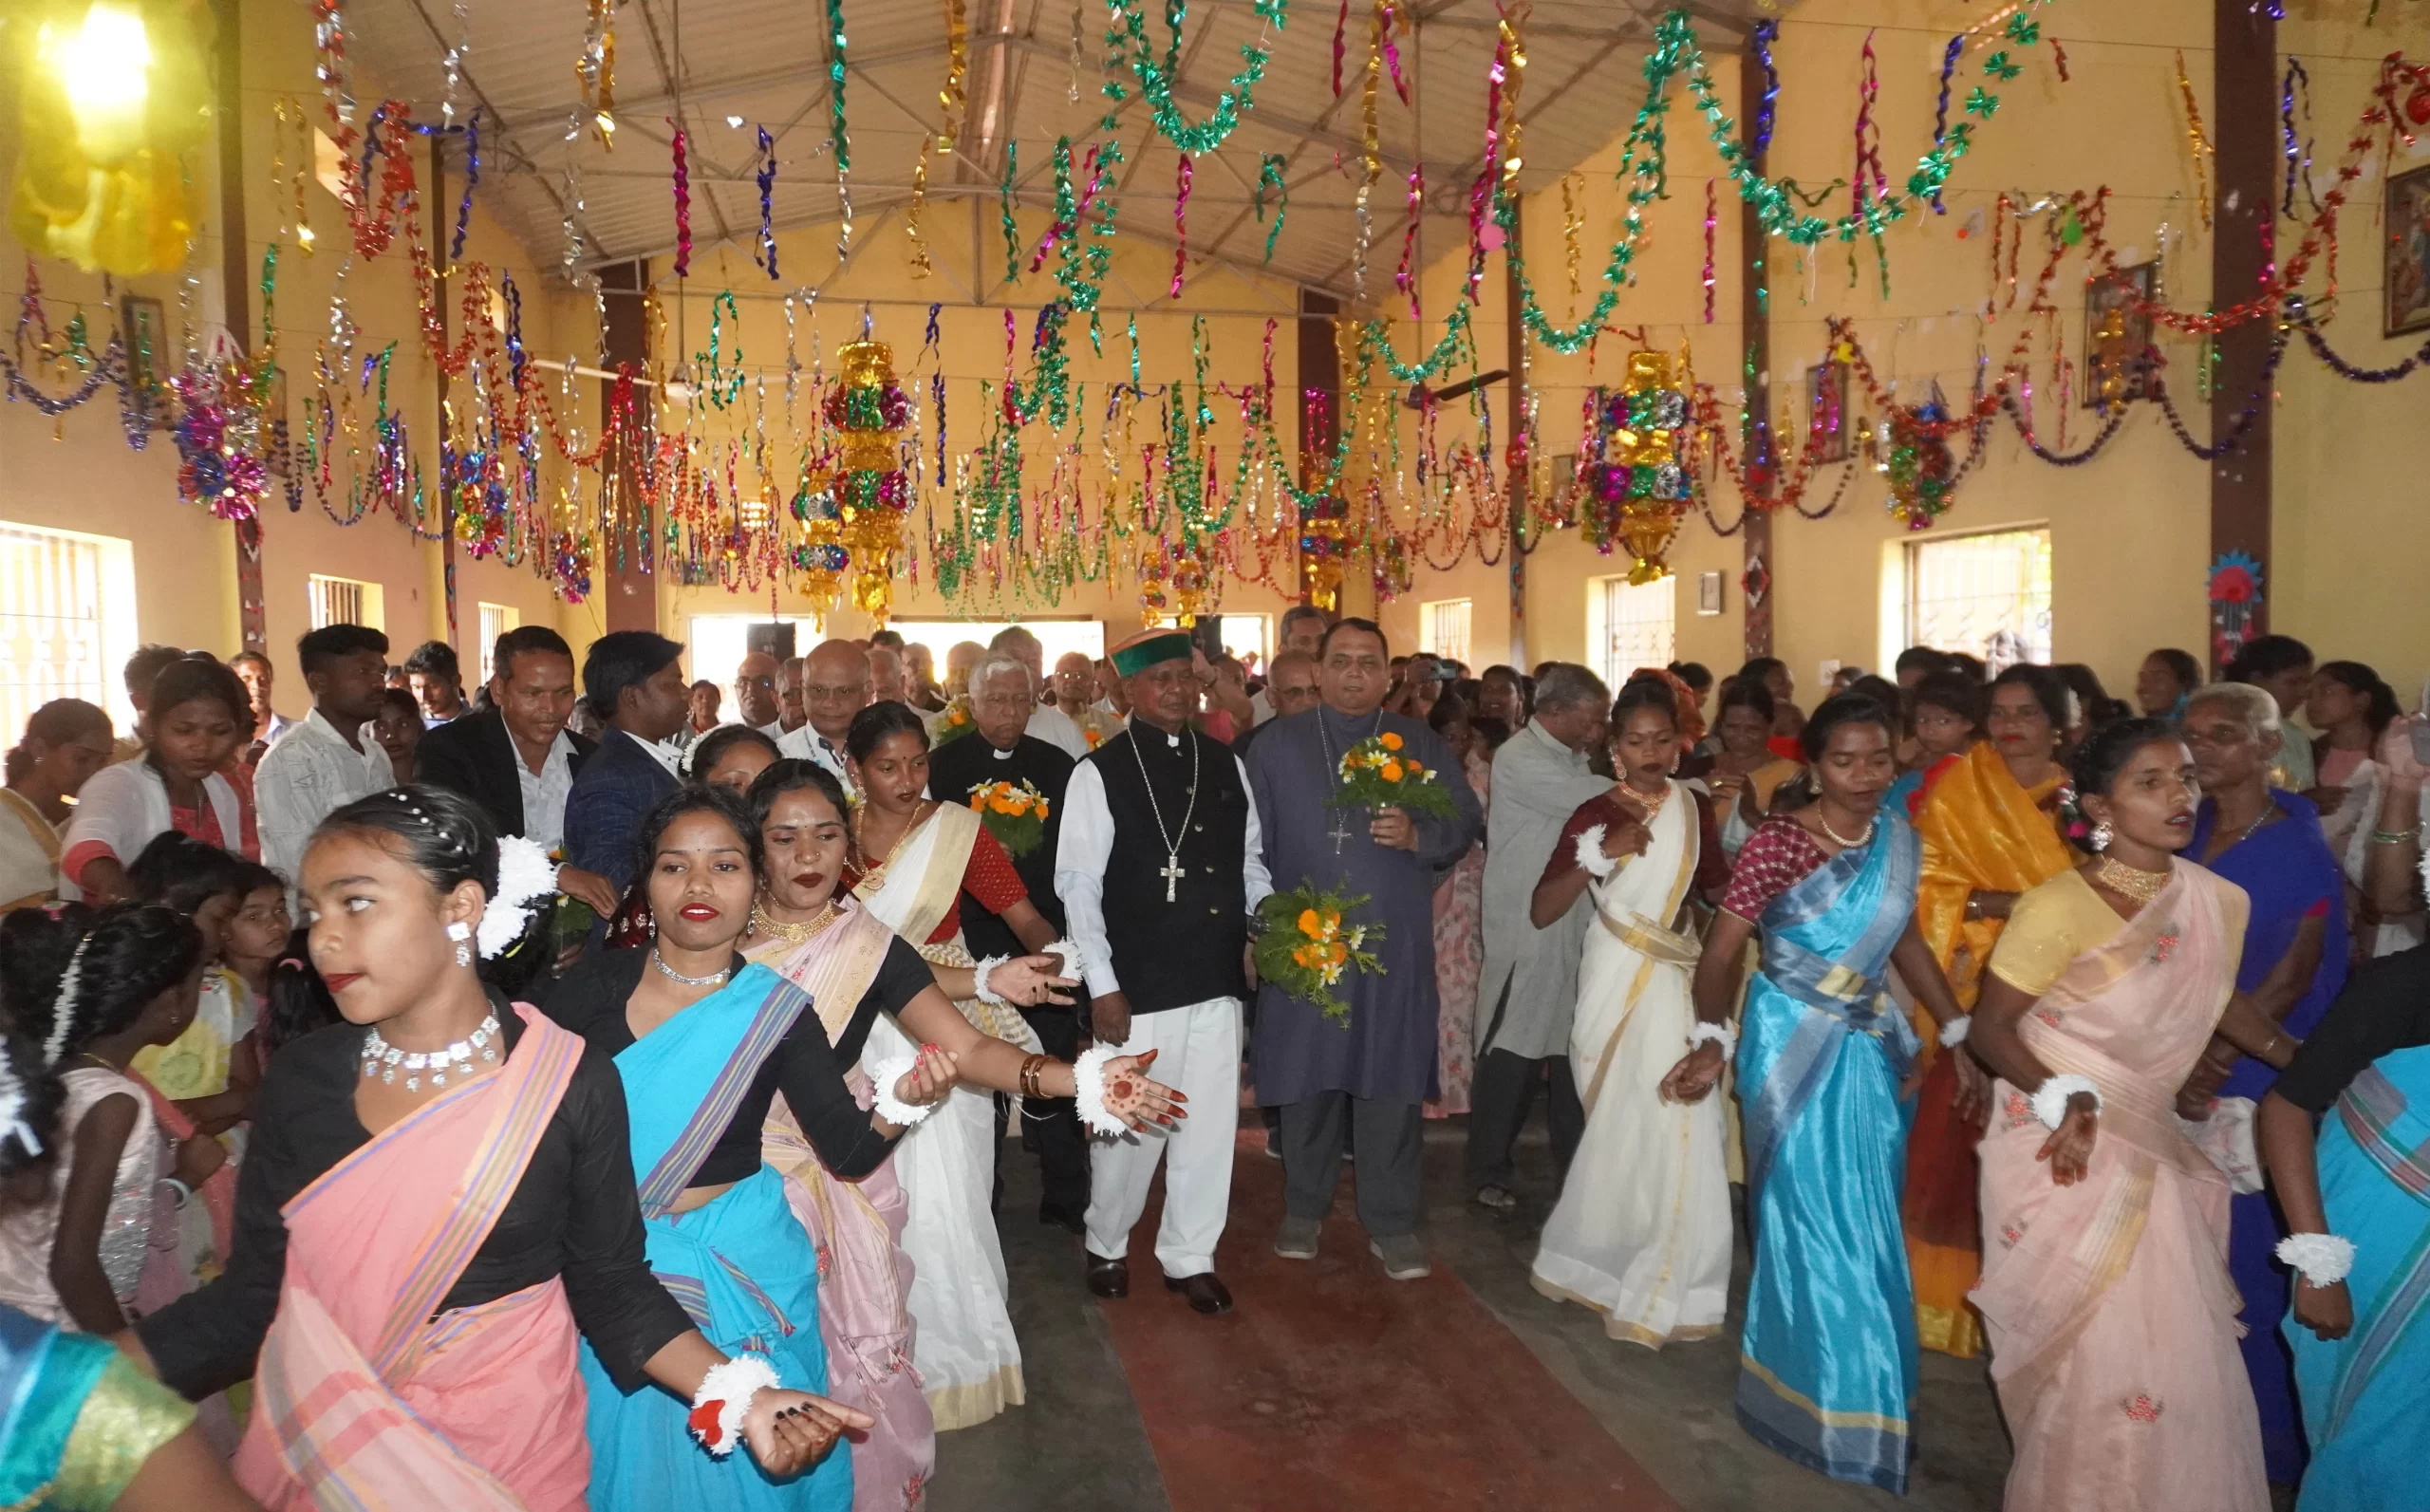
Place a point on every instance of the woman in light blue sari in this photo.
(1827, 1362)
(2362, 1354)
(704, 1043)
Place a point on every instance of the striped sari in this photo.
(365, 1400)
(2366, 1396)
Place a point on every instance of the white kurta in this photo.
(1537, 783)
(1642, 1232)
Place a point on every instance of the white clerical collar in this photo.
(1001, 755)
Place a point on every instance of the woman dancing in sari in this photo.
(705, 1042)
(2267, 841)
(1746, 771)
(1991, 832)
(436, 1191)
(1828, 1368)
(913, 859)
(864, 1306)
(2105, 1293)
(2356, 1192)
(1642, 1232)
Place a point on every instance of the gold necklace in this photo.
(2129, 881)
(1843, 841)
(792, 934)
(873, 869)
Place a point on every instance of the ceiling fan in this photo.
(1419, 395)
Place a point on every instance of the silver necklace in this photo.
(1340, 830)
(1843, 841)
(714, 979)
(1171, 871)
(384, 1060)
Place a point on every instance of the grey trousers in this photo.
(1385, 1137)
(1502, 1091)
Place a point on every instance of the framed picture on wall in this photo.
(1826, 412)
(2409, 251)
(144, 327)
(2117, 334)
(1708, 593)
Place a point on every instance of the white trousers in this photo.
(1199, 1056)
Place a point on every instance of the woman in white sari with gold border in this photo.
(1642, 1232)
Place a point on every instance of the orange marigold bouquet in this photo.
(1014, 812)
(1377, 773)
(953, 724)
(1304, 948)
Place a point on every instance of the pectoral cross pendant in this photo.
(1340, 834)
(1172, 871)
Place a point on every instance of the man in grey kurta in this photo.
(1375, 1071)
(1528, 991)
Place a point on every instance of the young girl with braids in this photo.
(91, 989)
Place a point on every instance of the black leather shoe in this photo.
(1206, 1293)
(1059, 1216)
(1109, 1279)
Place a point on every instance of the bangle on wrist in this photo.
(2321, 1260)
(2393, 837)
(883, 1100)
(183, 1193)
(1701, 1033)
(1032, 1066)
(979, 987)
(2051, 1098)
(724, 1400)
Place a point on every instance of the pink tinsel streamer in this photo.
(1712, 218)
(1401, 279)
(1061, 228)
(1394, 16)
(1481, 193)
(683, 206)
(1181, 225)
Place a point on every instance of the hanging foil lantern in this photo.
(1324, 546)
(872, 495)
(819, 560)
(1638, 490)
(1922, 471)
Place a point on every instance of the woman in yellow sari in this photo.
(1990, 831)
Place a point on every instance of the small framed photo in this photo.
(1708, 593)
(2109, 306)
(1826, 412)
(2409, 251)
(143, 326)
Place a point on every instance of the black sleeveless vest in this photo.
(1170, 954)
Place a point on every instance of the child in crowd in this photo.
(211, 1085)
(92, 989)
(256, 937)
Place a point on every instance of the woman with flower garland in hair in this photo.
(93, 988)
(1828, 1373)
(438, 1191)
(705, 1042)
(81, 1428)
(867, 1294)
(2106, 1293)
(1991, 829)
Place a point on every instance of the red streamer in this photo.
(1402, 279)
(1868, 137)
(1712, 219)
(1181, 224)
(683, 206)
(1340, 25)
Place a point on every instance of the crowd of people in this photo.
(520, 1097)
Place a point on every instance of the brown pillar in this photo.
(1755, 441)
(2244, 121)
(1320, 370)
(439, 232)
(628, 594)
(236, 278)
(1516, 432)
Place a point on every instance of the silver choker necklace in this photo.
(383, 1060)
(714, 979)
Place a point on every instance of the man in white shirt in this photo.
(1161, 866)
(324, 763)
(835, 686)
(1049, 723)
(437, 680)
(1076, 687)
(1302, 631)
(885, 674)
(754, 695)
(792, 715)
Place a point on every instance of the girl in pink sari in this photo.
(2105, 1291)
(437, 1195)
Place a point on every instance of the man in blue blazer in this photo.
(634, 683)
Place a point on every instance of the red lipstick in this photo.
(340, 980)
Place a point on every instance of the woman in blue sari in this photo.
(704, 1044)
(1827, 1363)
(2267, 841)
(2357, 1196)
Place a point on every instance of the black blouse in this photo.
(2384, 1009)
(574, 1214)
(591, 1000)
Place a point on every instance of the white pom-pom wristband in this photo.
(2321, 1260)
(724, 1399)
(979, 987)
(884, 1077)
(1703, 1034)
(1591, 858)
(1088, 1076)
(1068, 957)
(2051, 1098)
(525, 876)
(1954, 1032)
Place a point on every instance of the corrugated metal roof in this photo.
(766, 61)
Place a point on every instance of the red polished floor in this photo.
(1329, 1385)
